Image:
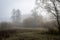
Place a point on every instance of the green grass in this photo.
(26, 34)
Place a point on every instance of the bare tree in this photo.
(56, 11)
(16, 15)
(53, 7)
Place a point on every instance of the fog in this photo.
(27, 13)
(29, 19)
(6, 7)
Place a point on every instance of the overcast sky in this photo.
(6, 7)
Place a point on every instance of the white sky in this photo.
(6, 7)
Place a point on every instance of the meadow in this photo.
(27, 34)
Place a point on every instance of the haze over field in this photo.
(25, 6)
(6, 7)
(29, 19)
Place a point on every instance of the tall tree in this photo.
(35, 14)
(37, 17)
(16, 15)
(53, 7)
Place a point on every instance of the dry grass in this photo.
(26, 34)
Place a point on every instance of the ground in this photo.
(27, 34)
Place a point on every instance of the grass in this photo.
(26, 34)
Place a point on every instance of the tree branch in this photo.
(54, 14)
(58, 0)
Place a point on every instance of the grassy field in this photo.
(26, 34)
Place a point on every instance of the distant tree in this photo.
(35, 15)
(13, 15)
(38, 19)
(16, 14)
(28, 22)
(5, 25)
(53, 7)
(34, 21)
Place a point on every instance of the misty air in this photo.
(29, 19)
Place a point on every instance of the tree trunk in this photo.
(58, 24)
(57, 16)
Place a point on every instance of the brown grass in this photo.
(26, 34)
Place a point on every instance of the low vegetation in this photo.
(27, 34)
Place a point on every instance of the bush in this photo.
(5, 25)
(52, 31)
